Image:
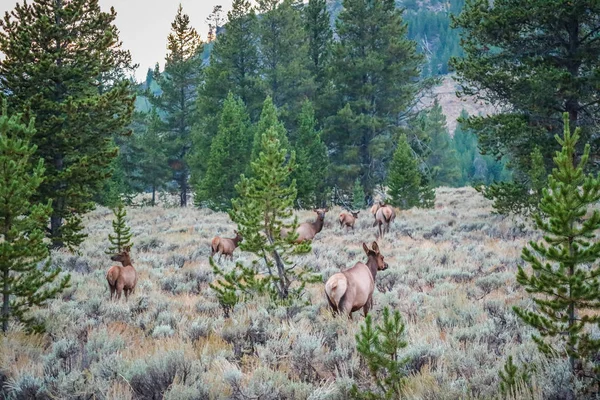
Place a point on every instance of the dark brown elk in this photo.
(308, 230)
(384, 216)
(351, 290)
(121, 278)
(348, 220)
(225, 246)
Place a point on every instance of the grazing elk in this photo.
(308, 230)
(352, 289)
(225, 246)
(348, 219)
(121, 278)
(384, 216)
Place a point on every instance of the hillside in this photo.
(451, 275)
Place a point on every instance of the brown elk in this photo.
(225, 246)
(308, 230)
(352, 289)
(384, 216)
(348, 220)
(122, 278)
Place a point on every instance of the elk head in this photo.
(374, 254)
(123, 257)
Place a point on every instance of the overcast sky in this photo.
(145, 24)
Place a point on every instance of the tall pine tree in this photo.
(25, 274)
(375, 70)
(179, 84)
(122, 233)
(229, 157)
(404, 177)
(268, 119)
(564, 279)
(64, 64)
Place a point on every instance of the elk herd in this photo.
(346, 291)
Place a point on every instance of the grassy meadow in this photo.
(451, 275)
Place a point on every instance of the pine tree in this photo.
(122, 234)
(64, 64)
(442, 159)
(564, 277)
(311, 159)
(233, 68)
(283, 57)
(264, 205)
(268, 119)
(404, 178)
(358, 196)
(374, 70)
(25, 275)
(179, 84)
(540, 58)
(379, 347)
(229, 157)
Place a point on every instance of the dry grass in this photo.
(452, 276)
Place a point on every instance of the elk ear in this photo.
(127, 248)
(375, 247)
(366, 249)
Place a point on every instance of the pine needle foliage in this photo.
(564, 276)
(122, 235)
(513, 379)
(26, 275)
(379, 346)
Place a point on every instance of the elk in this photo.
(225, 246)
(348, 220)
(121, 278)
(384, 216)
(308, 230)
(352, 289)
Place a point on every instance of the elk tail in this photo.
(110, 276)
(214, 246)
(335, 289)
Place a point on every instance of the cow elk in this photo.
(348, 220)
(225, 246)
(308, 230)
(384, 216)
(352, 289)
(121, 278)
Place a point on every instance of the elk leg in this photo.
(220, 254)
(367, 306)
(332, 305)
(120, 287)
(112, 291)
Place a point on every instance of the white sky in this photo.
(145, 24)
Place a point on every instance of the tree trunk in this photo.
(5, 300)
(153, 195)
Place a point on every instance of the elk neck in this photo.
(318, 224)
(372, 264)
(236, 240)
(126, 262)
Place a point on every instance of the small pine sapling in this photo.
(513, 380)
(122, 235)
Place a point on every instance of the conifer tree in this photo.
(229, 157)
(564, 277)
(268, 118)
(63, 63)
(404, 177)
(311, 159)
(264, 205)
(358, 196)
(26, 275)
(122, 235)
(179, 84)
(442, 159)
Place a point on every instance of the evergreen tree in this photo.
(538, 59)
(564, 276)
(283, 56)
(311, 156)
(374, 70)
(122, 235)
(358, 196)
(229, 157)
(264, 205)
(25, 276)
(442, 159)
(379, 347)
(268, 119)
(63, 63)
(179, 84)
(233, 68)
(404, 178)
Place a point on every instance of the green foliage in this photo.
(311, 160)
(229, 157)
(358, 196)
(405, 181)
(268, 119)
(379, 346)
(122, 235)
(264, 205)
(25, 274)
(513, 379)
(374, 72)
(63, 63)
(564, 281)
(541, 60)
(177, 101)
